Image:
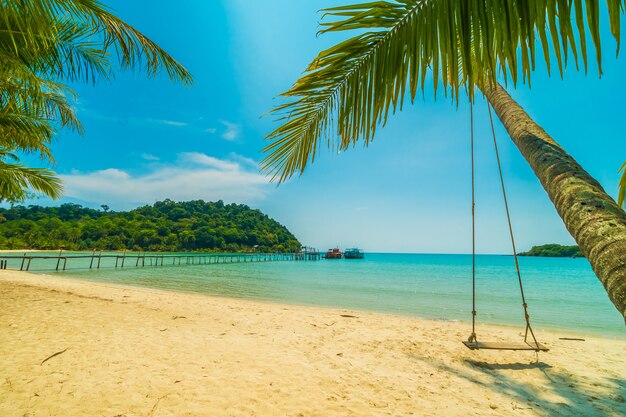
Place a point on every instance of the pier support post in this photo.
(93, 253)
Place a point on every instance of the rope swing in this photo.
(472, 342)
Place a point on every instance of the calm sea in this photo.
(562, 293)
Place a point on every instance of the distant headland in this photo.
(554, 251)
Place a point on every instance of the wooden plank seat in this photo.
(505, 346)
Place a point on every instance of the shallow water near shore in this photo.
(562, 293)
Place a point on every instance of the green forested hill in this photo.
(165, 226)
(553, 251)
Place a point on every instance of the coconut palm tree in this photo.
(46, 43)
(350, 89)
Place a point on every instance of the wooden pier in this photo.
(97, 259)
(308, 254)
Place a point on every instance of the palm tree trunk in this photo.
(592, 217)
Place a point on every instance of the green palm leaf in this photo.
(30, 108)
(20, 88)
(622, 187)
(73, 39)
(17, 179)
(351, 88)
(28, 134)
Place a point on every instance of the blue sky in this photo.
(149, 139)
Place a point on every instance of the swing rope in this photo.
(508, 218)
(472, 339)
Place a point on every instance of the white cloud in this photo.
(193, 176)
(95, 114)
(169, 122)
(150, 157)
(232, 131)
(208, 161)
(251, 163)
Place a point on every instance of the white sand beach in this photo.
(79, 348)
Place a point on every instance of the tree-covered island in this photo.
(554, 251)
(165, 226)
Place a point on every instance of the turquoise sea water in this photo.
(562, 293)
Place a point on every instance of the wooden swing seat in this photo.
(472, 343)
(505, 346)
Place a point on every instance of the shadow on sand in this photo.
(514, 366)
(561, 393)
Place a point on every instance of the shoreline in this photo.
(465, 324)
(78, 347)
(462, 322)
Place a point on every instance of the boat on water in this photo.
(353, 253)
(333, 254)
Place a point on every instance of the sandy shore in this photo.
(138, 352)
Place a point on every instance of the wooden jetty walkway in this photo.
(97, 259)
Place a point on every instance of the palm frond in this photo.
(622, 187)
(21, 88)
(350, 89)
(72, 54)
(31, 108)
(17, 180)
(25, 134)
(75, 37)
(62, 49)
